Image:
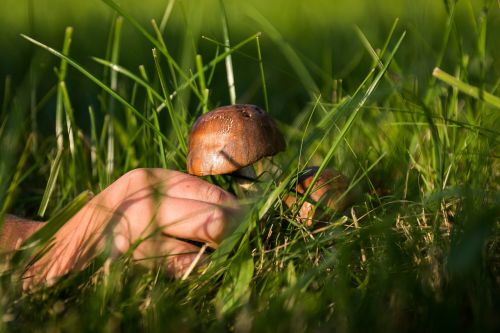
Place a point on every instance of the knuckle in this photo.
(216, 195)
(135, 173)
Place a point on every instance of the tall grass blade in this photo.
(235, 287)
(94, 144)
(444, 45)
(115, 54)
(166, 15)
(355, 105)
(96, 81)
(201, 80)
(14, 184)
(188, 83)
(7, 91)
(468, 89)
(228, 60)
(70, 120)
(60, 98)
(119, 69)
(158, 45)
(170, 108)
(262, 74)
(51, 183)
(159, 37)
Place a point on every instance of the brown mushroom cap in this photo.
(329, 190)
(232, 137)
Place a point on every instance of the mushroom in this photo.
(230, 139)
(329, 190)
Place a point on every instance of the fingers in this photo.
(181, 218)
(175, 255)
(172, 183)
(184, 186)
(182, 205)
(196, 220)
(142, 202)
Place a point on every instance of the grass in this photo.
(420, 249)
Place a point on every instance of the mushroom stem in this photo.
(245, 178)
(247, 172)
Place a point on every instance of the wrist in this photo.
(15, 230)
(72, 246)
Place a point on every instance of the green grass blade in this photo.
(14, 184)
(203, 85)
(51, 183)
(60, 98)
(132, 76)
(115, 55)
(444, 45)
(190, 81)
(7, 92)
(170, 108)
(229, 62)
(171, 65)
(468, 89)
(166, 15)
(235, 288)
(262, 74)
(68, 115)
(86, 73)
(158, 45)
(364, 40)
(356, 103)
(94, 144)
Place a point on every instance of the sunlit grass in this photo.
(418, 251)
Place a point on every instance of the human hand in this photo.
(154, 208)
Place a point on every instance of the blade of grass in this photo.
(14, 184)
(166, 15)
(170, 108)
(468, 89)
(7, 92)
(94, 144)
(164, 45)
(2, 126)
(158, 45)
(444, 46)
(86, 73)
(368, 47)
(150, 93)
(212, 71)
(51, 183)
(203, 87)
(115, 54)
(70, 120)
(131, 76)
(356, 103)
(60, 99)
(159, 141)
(262, 75)
(235, 287)
(228, 60)
(191, 80)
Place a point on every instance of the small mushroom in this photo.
(231, 138)
(329, 190)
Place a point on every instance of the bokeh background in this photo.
(425, 155)
(322, 32)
